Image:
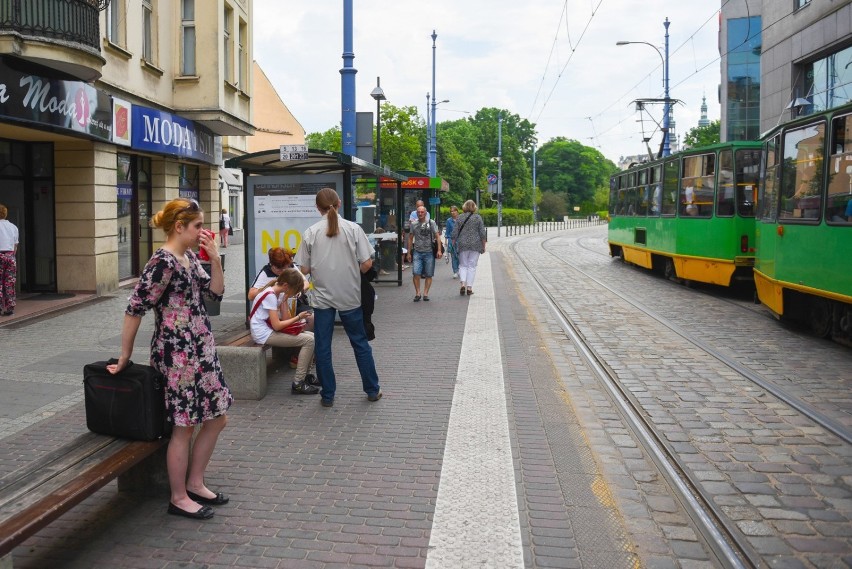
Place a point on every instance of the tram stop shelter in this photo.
(279, 193)
(418, 186)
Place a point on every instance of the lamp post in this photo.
(433, 150)
(432, 137)
(666, 100)
(534, 192)
(379, 96)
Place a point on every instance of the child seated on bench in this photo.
(269, 328)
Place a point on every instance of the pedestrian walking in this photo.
(335, 252)
(469, 237)
(424, 245)
(224, 228)
(285, 329)
(183, 350)
(8, 263)
(448, 235)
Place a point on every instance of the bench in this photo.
(37, 494)
(244, 365)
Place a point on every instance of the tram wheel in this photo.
(819, 317)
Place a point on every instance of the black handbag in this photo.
(130, 404)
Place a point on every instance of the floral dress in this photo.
(182, 348)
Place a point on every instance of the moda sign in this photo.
(159, 131)
(70, 105)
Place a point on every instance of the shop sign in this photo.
(165, 133)
(69, 105)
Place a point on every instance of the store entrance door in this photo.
(26, 189)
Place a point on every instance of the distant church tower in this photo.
(673, 140)
(704, 121)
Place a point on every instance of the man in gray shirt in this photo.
(424, 233)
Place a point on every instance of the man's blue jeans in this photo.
(353, 323)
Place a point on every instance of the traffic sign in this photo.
(492, 179)
(290, 152)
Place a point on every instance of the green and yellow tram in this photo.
(690, 215)
(804, 224)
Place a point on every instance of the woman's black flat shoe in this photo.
(203, 513)
(217, 500)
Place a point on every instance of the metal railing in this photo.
(511, 230)
(74, 21)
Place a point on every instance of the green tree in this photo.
(403, 133)
(573, 170)
(702, 135)
(328, 140)
(552, 206)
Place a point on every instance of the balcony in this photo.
(52, 38)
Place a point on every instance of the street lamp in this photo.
(379, 96)
(666, 101)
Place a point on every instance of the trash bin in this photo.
(214, 307)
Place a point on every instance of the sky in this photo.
(553, 62)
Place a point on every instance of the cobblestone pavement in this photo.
(358, 485)
(782, 480)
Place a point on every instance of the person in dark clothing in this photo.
(368, 302)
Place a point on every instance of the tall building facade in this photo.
(740, 41)
(107, 114)
(798, 62)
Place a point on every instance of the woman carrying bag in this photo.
(287, 328)
(469, 237)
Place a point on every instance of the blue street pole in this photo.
(347, 84)
(428, 138)
(433, 150)
(667, 150)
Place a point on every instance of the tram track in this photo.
(756, 378)
(722, 535)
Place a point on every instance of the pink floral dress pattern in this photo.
(182, 348)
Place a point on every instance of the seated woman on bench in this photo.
(268, 328)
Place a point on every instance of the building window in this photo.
(187, 17)
(227, 50)
(827, 82)
(242, 56)
(800, 4)
(148, 30)
(115, 22)
(743, 76)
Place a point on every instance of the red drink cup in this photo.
(202, 254)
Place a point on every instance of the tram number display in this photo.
(292, 152)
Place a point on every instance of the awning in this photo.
(230, 180)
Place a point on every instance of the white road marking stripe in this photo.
(476, 521)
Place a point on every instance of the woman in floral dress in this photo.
(173, 284)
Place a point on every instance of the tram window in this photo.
(643, 192)
(838, 206)
(725, 195)
(767, 199)
(656, 191)
(613, 192)
(620, 208)
(696, 186)
(631, 202)
(802, 176)
(747, 173)
(670, 187)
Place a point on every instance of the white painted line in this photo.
(476, 520)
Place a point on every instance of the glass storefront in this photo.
(827, 82)
(743, 104)
(133, 200)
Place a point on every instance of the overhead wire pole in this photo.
(499, 173)
(433, 150)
